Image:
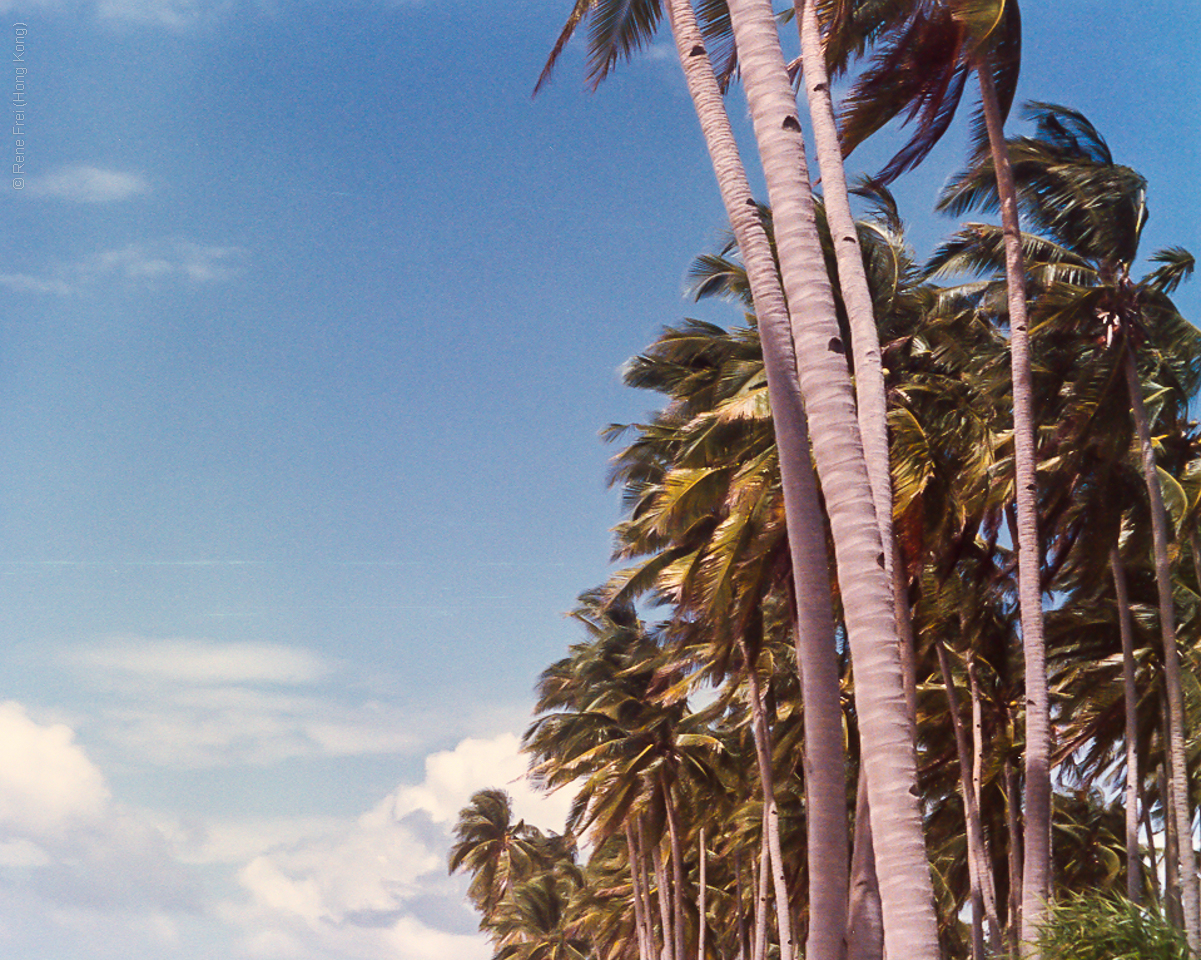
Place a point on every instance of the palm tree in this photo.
(928, 52)
(498, 853)
(829, 402)
(1089, 213)
(618, 29)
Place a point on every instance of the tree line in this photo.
(903, 647)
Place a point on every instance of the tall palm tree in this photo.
(928, 52)
(829, 401)
(618, 28)
(1089, 213)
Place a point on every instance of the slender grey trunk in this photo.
(645, 949)
(1134, 880)
(984, 898)
(871, 403)
(761, 899)
(1036, 871)
(743, 942)
(1014, 862)
(1152, 858)
(824, 757)
(1173, 906)
(1177, 763)
(665, 900)
(771, 815)
(703, 880)
(677, 868)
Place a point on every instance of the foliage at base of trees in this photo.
(1092, 927)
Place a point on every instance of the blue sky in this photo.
(311, 318)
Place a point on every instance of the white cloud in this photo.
(378, 888)
(174, 261)
(192, 704)
(172, 14)
(46, 780)
(196, 662)
(27, 284)
(66, 848)
(452, 776)
(146, 265)
(82, 183)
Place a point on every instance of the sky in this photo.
(311, 318)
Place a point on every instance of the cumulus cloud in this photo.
(66, 848)
(81, 183)
(452, 776)
(378, 888)
(46, 780)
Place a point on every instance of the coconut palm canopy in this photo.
(312, 316)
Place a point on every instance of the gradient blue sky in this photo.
(311, 317)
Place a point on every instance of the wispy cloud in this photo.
(81, 183)
(172, 14)
(26, 284)
(197, 704)
(145, 265)
(197, 662)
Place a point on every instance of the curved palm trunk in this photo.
(1013, 858)
(1177, 768)
(1134, 879)
(870, 398)
(815, 641)
(743, 942)
(910, 927)
(1036, 870)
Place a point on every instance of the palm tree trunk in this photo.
(865, 919)
(815, 637)
(702, 881)
(1177, 765)
(1014, 861)
(910, 924)
(988, 898)
(645, 951)
(743, 943)
(1134, 880)
(984, 898)
(677, 868)
(761, 899)
(1152, 858)
(771, 814)
(1036, 871)
(852, 279)
(669, 940)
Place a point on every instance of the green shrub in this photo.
(1097, 927)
